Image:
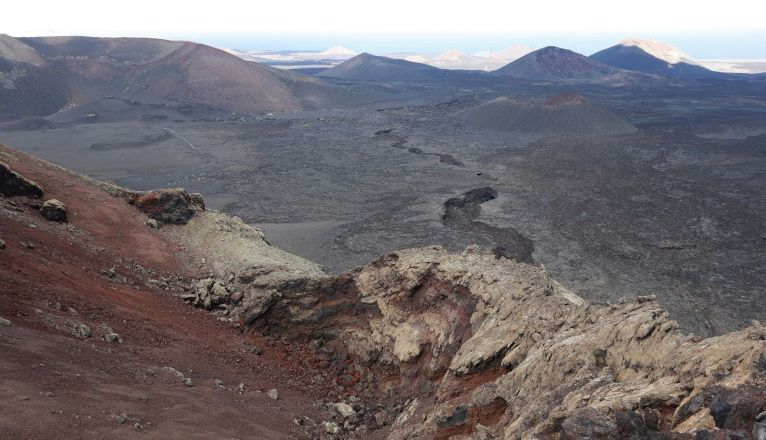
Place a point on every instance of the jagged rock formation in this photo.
(435, 345)
(173, 206)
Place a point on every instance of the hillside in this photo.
(97, 342)
(367, 67)
(44, 75)
(564, 114)
(555, 64)
(654, 58)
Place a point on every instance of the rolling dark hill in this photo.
(565, 114)
(367, 67)
(41, 76)
(654, 58)
(555, 64)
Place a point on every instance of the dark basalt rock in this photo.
(171, 206)
(13, 184)
(54, 211)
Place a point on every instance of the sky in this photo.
(731, 29)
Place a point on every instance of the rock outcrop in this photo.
(54, 211)
(13, 184)
(170, 206)
(471, 345)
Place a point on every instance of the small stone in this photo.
(49, 394)
(4, 322)
(2, 244)
(152, 223)
(381, 417)
(84, 331)
(218, 383)
(331, 427)
(188, 382)
(151, 371)
(241, 388)
(273, 394)
(54, 211)
(121, 419)
(112, 337)
(345, 410)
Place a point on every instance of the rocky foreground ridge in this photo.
(425, 344)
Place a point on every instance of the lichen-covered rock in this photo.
(54, 211)
(170, 206)
(469, 340)
(13, 184)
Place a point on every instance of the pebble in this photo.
(4, 322)
(345, 410)
(188, 382)
(331, 427)
(2, 244)
(273, 394)
(84, 331)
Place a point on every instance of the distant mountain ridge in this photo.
(42, 75)
(555, 64)
(654, 58)
(368, 67)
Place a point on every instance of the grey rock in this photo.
(54, 211)
(273, 394)
(13, 184)
(2, 244)
(331, 427)
(152, 223)
(588, 423)
(84, 331)
(759, 431)
(4, 322)
(171, 206)
(381, 418)
(345, 410)
(188, 382)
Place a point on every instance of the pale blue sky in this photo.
(735, 28)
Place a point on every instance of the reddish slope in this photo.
(50, 288)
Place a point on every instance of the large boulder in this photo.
(171, 206)
(54, 211)
(13, 184)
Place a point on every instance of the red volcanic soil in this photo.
(105, 269)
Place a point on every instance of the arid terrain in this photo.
(675, 208)
(562, 249)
